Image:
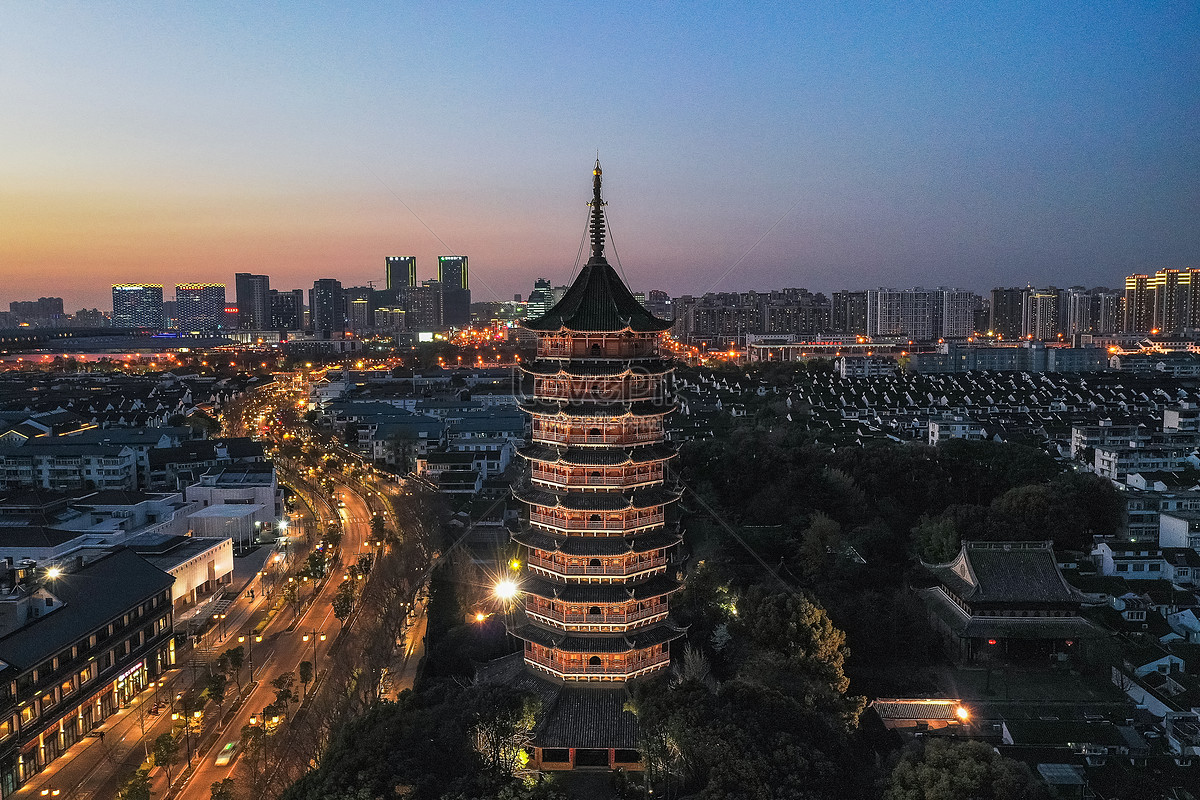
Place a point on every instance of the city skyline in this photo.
(985, 147)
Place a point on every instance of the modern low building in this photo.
(90, 640)
(954, 426)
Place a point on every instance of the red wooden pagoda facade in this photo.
(600, 537)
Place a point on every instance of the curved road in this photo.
(283, 648)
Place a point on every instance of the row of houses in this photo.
(459, 433)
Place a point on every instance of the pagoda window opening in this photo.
(595, 611)
(595, 349)
(595, 562)
(594, 518)
(594, 661)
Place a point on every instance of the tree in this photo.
(378, 527)
(504, 723)
(283, 688)
(306, 675)
(792, 640)
(937, 539)
(343, 601)
(215, 689)
(222, 789)
(945, 770)
(235, 657)
(820, 544)
(136, 788)
(166, 753)
(333, 537)
(291, 595)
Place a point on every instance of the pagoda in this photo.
(599, 542)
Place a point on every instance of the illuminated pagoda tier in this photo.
(601, 537)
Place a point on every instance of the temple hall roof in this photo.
(1006, 572)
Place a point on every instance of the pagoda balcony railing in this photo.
(596, 619)
(561, 479)
(607, 349)
(616, 438)
(608, 569)
(628, 523)
(568, 668)
(597, 394)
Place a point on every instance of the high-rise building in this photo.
(423, 306)
(1007, 313)
(138, 305)
(360, 308)
(253, 301)
(327, 305)
(43, 312)
(601, 531)
(1041, 314)
(922, 315)
(287, 310)
(390, 319)
(540, 299)
(200, 306)
(958, 313)
(659, 304)
(1107, 311)
(401, 271)
(728, 317)
(456, 291)
(849, 313)
(1139, 304)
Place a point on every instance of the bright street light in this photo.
(506, 590)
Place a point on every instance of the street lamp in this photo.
(220, 618)
(249, 640)
(313, 635)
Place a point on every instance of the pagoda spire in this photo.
(597, 223)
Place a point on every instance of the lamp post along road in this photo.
(313, 635)
(249, 640)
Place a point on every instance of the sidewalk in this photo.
(96, 766)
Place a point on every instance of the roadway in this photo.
(281, 650)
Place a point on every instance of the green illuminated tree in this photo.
(166, 753)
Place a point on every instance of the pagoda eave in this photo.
(597, 457)
(539, 539)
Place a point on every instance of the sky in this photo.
(745, 145)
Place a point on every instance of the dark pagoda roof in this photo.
(654, 586)
(596, 545)
(588, 717)
(597, 456)
(575, 408)
(636, 639)
(598, 300)
(595, 501)
(597, 369)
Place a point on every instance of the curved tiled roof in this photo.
(598, 301)
(575, 408)
(595, 501)
(596, 545)
(593, 369)
(1005, 572)
(597, 457)
(601, 592)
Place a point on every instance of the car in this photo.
(227, 755)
